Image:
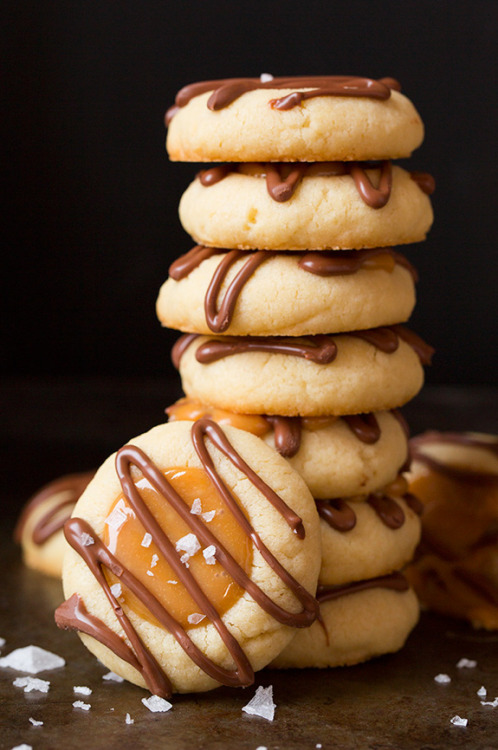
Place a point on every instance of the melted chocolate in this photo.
(425, 181)
(97, 556)
(320, 349)
(339, 514)
(70, 488)
(364, 426)
(227, 90)
(387, 509)
(287, 434)
(394, 581)
(344, 262)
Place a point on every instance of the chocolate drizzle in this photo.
(339, 514)
(282, 180)
(97, 556)
(395, 581)
(68, 488)
(227, 90)
(425, 181)
(345, 262)
(364, 426)
(320, 349)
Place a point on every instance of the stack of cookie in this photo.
(292, 307)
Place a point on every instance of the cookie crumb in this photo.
(442, 679)
(129, 720)
(262, 704)
(83, 706)
(113, 677)
(459, 722)
(35, 723)
(82, 690)
(32, 683)
(156, 704)
(32, 659)
(468, 663)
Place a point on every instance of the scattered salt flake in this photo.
(196, 508)
(82, 690)
(262, 704)
(86, 540)
(468, 663)
(2, 642)
(482, 692)
(83, 706)
(261, 747)
(208, 516)
(113, 677)
(150, 573)
(318, 745)
(32, 683)
(154, 561)
(184, 558)
(129, 720)
(116, 519)
(23, 747)
(116, 589)
(195, 618)
(442, 679)
(265, 77)
(174, 582)
(188, 544)
(146, 540)
(459, 722)
(32, 659)
(156, 704)
(209, 554)
(36, 723)
(493, 704)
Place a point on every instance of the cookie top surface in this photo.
(262, 293)
(186, 561)
(317, 118)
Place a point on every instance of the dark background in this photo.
(91, 199)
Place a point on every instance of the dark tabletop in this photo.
(56, 427)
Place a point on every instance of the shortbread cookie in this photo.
(369, 537)
(187, 569)
(39, 528)
(263, 293)
(358, 622)
(455, 475)
(329, 209)
(292, 119)
(336, 456)
(350, 373)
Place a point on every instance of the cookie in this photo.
(367, 538)
(358, 622)
(336, 456)
(187, 569)
(292, 119)
(349, 373)
(334, 206)
(39, 528)
(455, 475)
(286, 294)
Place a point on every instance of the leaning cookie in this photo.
(39, 528)
(455, 475)
(286, 294)
(317, 118)
(358, 621)
(336, 456)
(187, 569)
(351, 373)
(332, 207)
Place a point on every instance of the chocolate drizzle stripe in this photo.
(345, 262)
(394, 581)
(387, 509)
(373, 197)
(383, 338)
(339, 514)
(364, 426)
(97, 555)
(180, 347)
(185, 264)
(226, 91)
(52, 521)
(420, 347)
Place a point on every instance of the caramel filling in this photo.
(125, 537)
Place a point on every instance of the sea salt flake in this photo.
(146, 540)
(262, 703)
(196, 508)
(209, 554)
(188, 544)
(150, 573)
(116, 519)
(156, 704)
(265, 77)
(154, 561)
(23, 747)
(86, 540)
(493, 704)
(174, 582)
(116, 589)
(36, 723)
(184, 558)
(32, 683)
(195, 618)
(261, 747)
(112, 677)
(129, 720)
(482, 692)
(468, 663)
(2, 642)
(318, 746)
(459, 722)
(32, 659)
(442, 679)
(208, 516)
(83, 706)
(82, 690)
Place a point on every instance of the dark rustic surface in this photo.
(392, 702)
